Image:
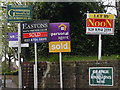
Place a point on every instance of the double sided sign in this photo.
(100, 24)
(59, 37)
(34, 32)
(13, 40)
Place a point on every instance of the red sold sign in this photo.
(35, 34)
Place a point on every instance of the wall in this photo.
(75, 74)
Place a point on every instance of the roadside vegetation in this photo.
(55, 58)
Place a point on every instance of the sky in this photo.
(111, 10)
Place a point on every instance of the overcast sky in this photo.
(111, 10)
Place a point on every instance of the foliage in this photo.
(75, 14)
(55, 58)
(7, 71)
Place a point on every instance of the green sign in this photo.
(19, 13)
(101, 76)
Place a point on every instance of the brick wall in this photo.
(75, 74)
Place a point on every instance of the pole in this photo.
(100, 47)
(5, 69)
(60, 61)
(19, 58)
(35, 69)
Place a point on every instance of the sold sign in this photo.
(59, 46)
(35, 34)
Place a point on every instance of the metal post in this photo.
(19, 58)
(5, 69)
(60, 61)
(100, 47)
(35, 69)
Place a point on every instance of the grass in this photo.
(55, 58)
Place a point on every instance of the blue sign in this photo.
(35, 31)
(13, 36)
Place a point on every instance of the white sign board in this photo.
(15, 44)
(100, 24)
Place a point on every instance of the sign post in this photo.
(13, 40)
(19, 58)
(17, 14)
(35, 32)
(61, 78)
(100, 24)
(59, 42)
(100, 47)
(35, 68)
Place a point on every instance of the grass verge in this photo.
(55, 58)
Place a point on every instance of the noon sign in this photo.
(19, 13)
(35, 32)
(100, 24)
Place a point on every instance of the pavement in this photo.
(9, 84)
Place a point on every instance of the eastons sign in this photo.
(35, 31)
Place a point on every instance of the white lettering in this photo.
(60, 46)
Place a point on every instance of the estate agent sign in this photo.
(13, 40)
(59, 37)
(100, 24)
(101, 76)
(19, 13)
(62, 46)
(59, 32)
(35, 31)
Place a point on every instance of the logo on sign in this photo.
(62, 27)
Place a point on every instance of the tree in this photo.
(72, 12)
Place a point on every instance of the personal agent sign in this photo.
(35, 32)
(19, 13)
(59, 32)
(100, 24)
(101, 76)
